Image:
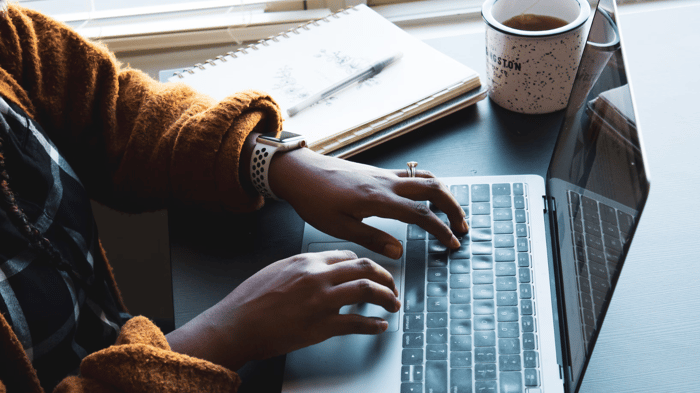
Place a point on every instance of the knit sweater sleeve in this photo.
(136, 144)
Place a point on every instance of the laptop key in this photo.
(481, 235)
(459, 266)
(436, 376)
(518, 189)
(484, 322)
(485, 339)
(481, 209)
(413, 322)
(461, 194)
(529, 341)
(414, 277)
(436, 352)
(507, 298)
(508, 346)
(486, 386)
(503, 227)
(509, 363)
(485, 355)
(505, 254)
(417, 373)
(413, 340)
(508, 330)
(502, 201)
(437, 274)
(411, 387)
(531, 378)
(485, 371)
(511, 382)
(481, 222)
(460, 311)
(460, 296)
(519, 202)
(437, 289)
(501, 189)
(437, 320)
(405, 373)
(460, 359)
(530, 359)
(482, 262)
(461, 343)
(461, 380)
(481, 193)
(436, 336)
(412, 356)
(416, 233)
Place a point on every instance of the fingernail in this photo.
(465, 226)
(392, 251)
(454, 243)
(383, 325)
(398, 305)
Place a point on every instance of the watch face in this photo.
(286, 141)
(284, 138)
(287, 135)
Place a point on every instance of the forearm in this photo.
(136, 144)
(204, 338)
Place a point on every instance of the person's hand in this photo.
(334, 196)
(288, 305)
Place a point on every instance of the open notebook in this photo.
(296, 64)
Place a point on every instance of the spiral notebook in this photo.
(422, 86)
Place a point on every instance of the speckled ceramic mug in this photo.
(533, 71)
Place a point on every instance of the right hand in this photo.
(288, 305)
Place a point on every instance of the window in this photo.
(128, 25)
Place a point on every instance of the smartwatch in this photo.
(265, 147)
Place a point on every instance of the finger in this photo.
(363, 291)
(334, 256)
(362, 268)
(418, 172)
(343, 324)
(433, 190)
(415, 212)
(371, 238)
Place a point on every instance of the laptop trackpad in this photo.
(391, 265)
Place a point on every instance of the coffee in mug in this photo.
(533, 48)
(532, 22)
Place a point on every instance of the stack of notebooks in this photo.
(422, 86)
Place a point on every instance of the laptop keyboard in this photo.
(469, 314)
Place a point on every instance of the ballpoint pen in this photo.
(365, 73)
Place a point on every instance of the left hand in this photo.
(335, 195)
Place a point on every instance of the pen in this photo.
(366, 73)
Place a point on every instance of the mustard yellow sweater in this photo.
(137, 145)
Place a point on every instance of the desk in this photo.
(651, 336)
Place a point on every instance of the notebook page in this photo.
(297, 65)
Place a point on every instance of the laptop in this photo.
(519, 306)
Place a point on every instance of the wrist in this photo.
(266, 150)
(204, 337)
(244, 163)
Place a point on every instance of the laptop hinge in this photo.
(544, 199)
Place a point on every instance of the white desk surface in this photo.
(650, 339)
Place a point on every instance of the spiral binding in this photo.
(263, 42)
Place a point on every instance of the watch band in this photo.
(260, 168)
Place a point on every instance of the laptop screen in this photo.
(598, 186)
